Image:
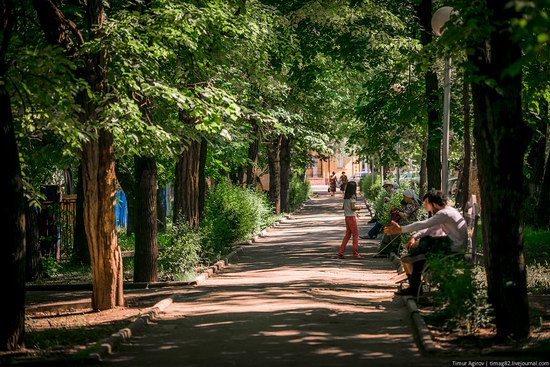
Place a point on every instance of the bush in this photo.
(370, 186)
(51, 267)
(181, 255)
(461, 295)
(125, 241)
(232, 214)
(299, 192)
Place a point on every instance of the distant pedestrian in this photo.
(350, 195)
(343, 181)
(332, 182)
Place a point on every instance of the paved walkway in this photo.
(287, 300)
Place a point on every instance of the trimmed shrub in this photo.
(370, 185)
(299, 192)
(232, 214)
(180, 256)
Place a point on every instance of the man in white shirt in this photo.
(444, 232)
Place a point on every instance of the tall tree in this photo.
(186, 185)
(502, 138)
(80, 248)
(146, 246)
(285, 173)
(98, 168)
(433, 153)
(12, 211)
(274, 159)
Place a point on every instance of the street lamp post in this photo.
(439, 18)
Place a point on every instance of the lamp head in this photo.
(440, 17)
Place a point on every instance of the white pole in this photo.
(446, 124)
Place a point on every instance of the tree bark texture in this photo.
(98, 171)
(98, 168)
(186, 186)
(81, 253)
(423, 168)
(253, 149)
(146, 244)
(274, 156)
(285, 174)
(433, 153)
(12, 210)
(463, 193)
(501, 138)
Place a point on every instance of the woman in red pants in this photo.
(350, 195)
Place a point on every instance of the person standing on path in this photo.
(343, 181)
(333, 180)
(350, 195)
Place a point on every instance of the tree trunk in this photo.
(202, 177)
(81, 253)
(253, 155)
(285, 174)
(433, 154)
(98, 167)
(99, 188)
(423, 184)
(12, 210)
(146, 246)
(186, 187)
(463, 193)
(33, 254)
(273, 156)
(501, 141)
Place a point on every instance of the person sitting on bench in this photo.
(444, 232)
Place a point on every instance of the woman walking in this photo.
(350, 195)
(332, 183)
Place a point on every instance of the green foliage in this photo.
(387, 207)
(232, 214)
(125, 242)
(51, 267)
(299, 192)
(180, 257)
(370, 186)
(461, 297)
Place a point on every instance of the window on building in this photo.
(340, 161)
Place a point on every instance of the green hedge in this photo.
(299, 192)
(180, 256)
(370, 186)
(232, 214)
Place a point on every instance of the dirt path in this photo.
(287, 300)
